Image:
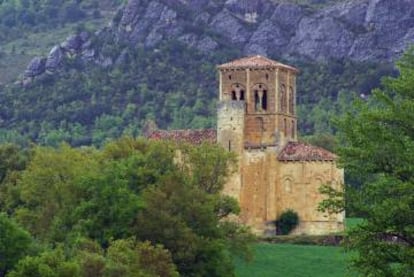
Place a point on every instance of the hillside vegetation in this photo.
(171, 84)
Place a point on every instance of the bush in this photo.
(286, 222)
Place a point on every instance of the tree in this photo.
(186, 213)
(14, 243)
(86, 258)
(378, 147)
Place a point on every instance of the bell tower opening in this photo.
(260, 97)
(237, 92)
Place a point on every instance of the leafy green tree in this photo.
(86, 258)
(185, 212)
(15, 243)
(379, 149)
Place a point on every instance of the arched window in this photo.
(264, 100)
(291, 101)
(237, 92)
(256, 100)
(283, 98)
(285, 127)
(260, 97)
(293, 128)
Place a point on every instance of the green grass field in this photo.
(287, 260)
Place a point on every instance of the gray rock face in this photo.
(54, 58)
(359, 29)
(35, 67)
(375, 30)
(72, 44)
(230, 26)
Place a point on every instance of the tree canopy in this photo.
(132, 208)
(378, 148)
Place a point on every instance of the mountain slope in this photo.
(156, 62)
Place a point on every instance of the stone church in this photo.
(256, 118)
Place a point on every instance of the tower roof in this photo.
(255, 62)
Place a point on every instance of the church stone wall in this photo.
(298, 189)
(269, 187)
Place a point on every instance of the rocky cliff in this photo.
(364, 30)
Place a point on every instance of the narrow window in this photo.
(293, 128)
(267, 76)
(229, 77)
(283, 98)
(291, 101)
(229, 145)
(256, 100)
(285, 126)
(233, 95)
(242, 95)
(264, 100)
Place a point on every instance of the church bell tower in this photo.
(257, 107)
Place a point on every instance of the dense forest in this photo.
(126, 210)
(173, 86)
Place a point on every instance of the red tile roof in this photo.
(255, 62)
(296, 151)
(190, 136)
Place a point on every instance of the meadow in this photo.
(293, 260)
(288, 260)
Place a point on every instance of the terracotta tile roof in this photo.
(296, 151)
(190, 136)
(254, 62)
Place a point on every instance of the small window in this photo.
(291, 101)
(229, 145)
(237, 92)
(264, 100)
(267, 76)
(229, 77)
(283, 98)
(293, 128)
(285, 126)
(256, 100)
(233, 95)
(260, 97)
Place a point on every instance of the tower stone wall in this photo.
(230, 126)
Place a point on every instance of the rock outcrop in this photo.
(374, 30)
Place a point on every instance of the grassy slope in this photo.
(272, 260)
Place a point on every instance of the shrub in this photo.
(286, 222)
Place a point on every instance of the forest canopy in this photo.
(128, 208)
